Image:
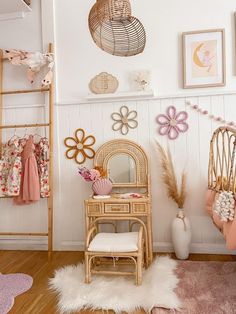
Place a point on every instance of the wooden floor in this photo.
(39, 300)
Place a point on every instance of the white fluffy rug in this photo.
(117, 293)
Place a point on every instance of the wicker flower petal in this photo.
(132, 115)
(71, 153)
(70, 142)
(172, 132)
(79, 135)
(124, 111)
(88, 152)
(80, 157)
(171, 112)
(117, 126)
(124, 129)
(132, 124)
(181, 116)
(182, 126)
(162, 119)
(89, 141)
(116, 116)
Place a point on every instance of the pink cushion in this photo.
(229, 231)
(210, 198)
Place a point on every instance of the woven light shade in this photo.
(115, 30)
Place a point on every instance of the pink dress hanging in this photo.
(30, 187)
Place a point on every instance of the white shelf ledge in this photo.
(13, 9)
(134, 96)
(121, 96)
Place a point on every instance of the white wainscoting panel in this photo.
(190, 152)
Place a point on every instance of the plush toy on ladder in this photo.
(34, 61)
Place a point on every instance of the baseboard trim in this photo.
(72, 246)
(23, 244)
(198, 248)
(41, 244)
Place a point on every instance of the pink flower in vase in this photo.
(89, 175)
(172, 123)
(84, 172)
(94, 175)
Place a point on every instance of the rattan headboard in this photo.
(222, 160)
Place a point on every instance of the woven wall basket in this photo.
(115, 30)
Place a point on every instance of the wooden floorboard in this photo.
(39, 300)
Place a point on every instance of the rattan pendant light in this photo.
(115, 30)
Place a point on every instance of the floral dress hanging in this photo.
(11, 168)
(42, 158)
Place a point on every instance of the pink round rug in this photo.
(205, 288)
(11, 286)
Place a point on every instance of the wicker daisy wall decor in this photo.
(124, 120)
(172, 123)
(80, 146)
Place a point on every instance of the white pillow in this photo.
(114, 242)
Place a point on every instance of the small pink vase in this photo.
(102, 187)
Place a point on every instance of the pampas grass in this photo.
(169, 178)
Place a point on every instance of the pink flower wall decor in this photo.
(172, 123)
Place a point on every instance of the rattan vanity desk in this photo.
(115, 208)
(136, 209)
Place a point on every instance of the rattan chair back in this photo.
(222, 160)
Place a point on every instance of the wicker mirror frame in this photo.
(222, 160)
(115, 30)
(120, 146)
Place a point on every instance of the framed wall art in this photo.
(204, 58)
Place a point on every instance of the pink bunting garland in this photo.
(210, 116)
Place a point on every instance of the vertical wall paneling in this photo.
(189, 151)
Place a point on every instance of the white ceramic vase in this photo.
(181, 235)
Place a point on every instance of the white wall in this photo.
(78, 60)
(164, 22)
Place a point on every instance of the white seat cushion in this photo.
(114, 242)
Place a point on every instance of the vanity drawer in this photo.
(117, 208)
(94, 208)
(139, 208)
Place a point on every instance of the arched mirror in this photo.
(125, 162)
(121, 168)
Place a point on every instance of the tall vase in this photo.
(181, 235)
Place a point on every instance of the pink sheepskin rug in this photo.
(205, 288)
(11, 286)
